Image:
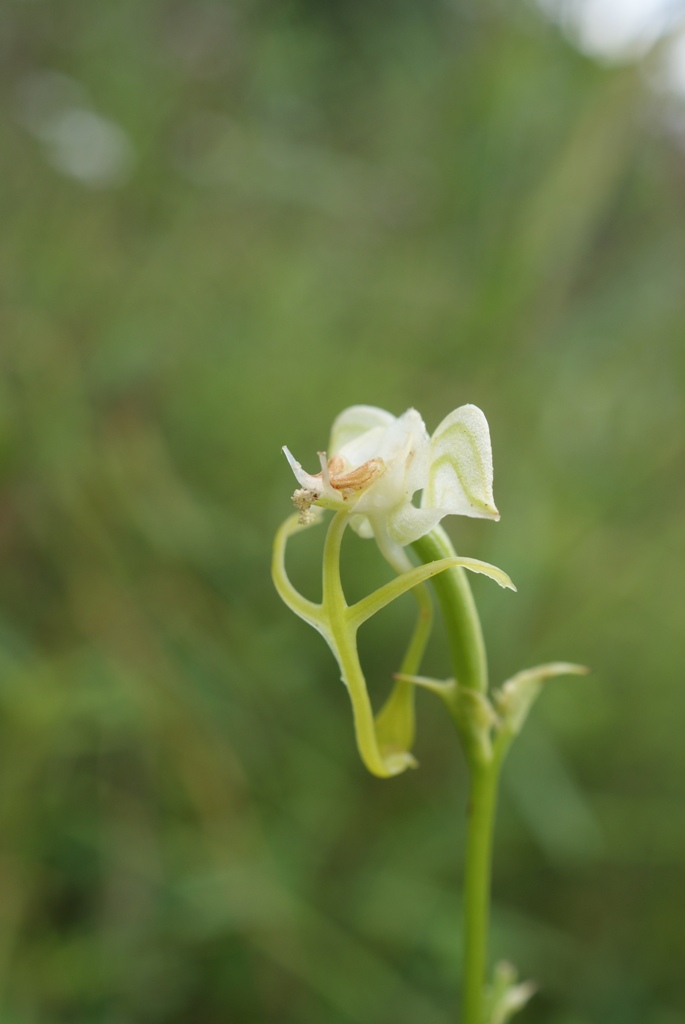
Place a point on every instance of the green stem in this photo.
(470, 670)
(481, 818)
(464, 631)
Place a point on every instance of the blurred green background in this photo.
(221, 224)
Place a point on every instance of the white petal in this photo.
(419, 461)
(369, 445)
(406, 523)
(404, 447)
(390, 441)
(304, 478)
(353, 422)
(460, 474)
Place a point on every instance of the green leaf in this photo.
(368, 606)
(515, 698)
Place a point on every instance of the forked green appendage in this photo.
(383, 741)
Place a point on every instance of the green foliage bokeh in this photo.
(395, 204)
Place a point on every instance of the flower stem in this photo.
(345, 645)
(469, 661)
(481, 818)
(464, 631)
(380, 757)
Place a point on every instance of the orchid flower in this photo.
(376, 463)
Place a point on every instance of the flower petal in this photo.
(406, 523)
(355, 421)
(460, 474)
(303, 478)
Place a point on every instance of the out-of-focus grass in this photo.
(327, 206)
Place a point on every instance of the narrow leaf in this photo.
(516, 697)
(368, 606)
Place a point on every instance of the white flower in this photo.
(376, 463)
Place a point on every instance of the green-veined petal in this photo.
(460, 474)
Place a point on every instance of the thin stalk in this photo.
(469, 661)
(341, 636)
(332, 595)
(345, 644)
